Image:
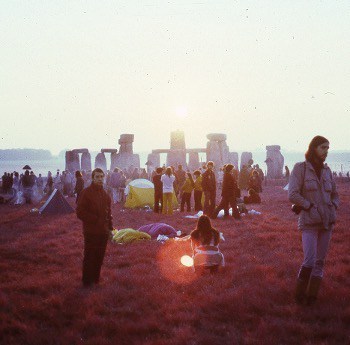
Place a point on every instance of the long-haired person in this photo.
(313, 192)
(168, 189)
(198, 191)
(79, 184)
(205, 245)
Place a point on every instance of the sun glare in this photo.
(187, 261)
(182, 112)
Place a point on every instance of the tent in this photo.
(140, 193)
(56, 204)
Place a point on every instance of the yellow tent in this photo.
(140, 193)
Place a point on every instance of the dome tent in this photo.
(140, 193)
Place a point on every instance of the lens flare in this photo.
(187, 261)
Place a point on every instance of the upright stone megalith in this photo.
(177, 153)
(274, 161)
(233, 159)
(153, 162)
(72, 161)
(217, 149)
(85, 161)
(193, 161)
(126, 157)
(100, 161)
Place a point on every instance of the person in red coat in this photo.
(94, 209)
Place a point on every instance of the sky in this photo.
(77, 74)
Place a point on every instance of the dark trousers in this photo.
(158, 199)
(224, 205)
(186, 199)
(209, 202)
(198, 200)
(94, 252)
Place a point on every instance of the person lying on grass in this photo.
(205, 245)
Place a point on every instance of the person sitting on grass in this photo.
(252, 198)
(205, 246)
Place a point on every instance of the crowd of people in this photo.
(203, 184)
(312, 190)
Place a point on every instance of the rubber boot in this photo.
(314, 287)
(302, 283)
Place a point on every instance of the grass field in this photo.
(147, 297)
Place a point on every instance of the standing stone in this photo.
(177, 154)
(193, 161)
(125, 141)
(76, 162)
(114, 159)
(233, 159)
(274, 162)
(245, 158)
(153, 162)
(86, 161)
(126, 158)
(69, 159)
(100, 162)
(217, 149)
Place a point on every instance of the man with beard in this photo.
(313, 192)
(94, 209)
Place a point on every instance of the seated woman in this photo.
(205, 245)
(253, 198)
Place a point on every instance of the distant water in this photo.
(337, 162)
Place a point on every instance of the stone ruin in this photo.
(73, 162)
(274, 161)
(125, 159)
(216, 151)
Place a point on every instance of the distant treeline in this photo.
(25, 154)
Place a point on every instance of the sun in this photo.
(181, 112)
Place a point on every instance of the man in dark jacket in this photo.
(94, 209)
(209, 189)
(229, 194)
(158, 191)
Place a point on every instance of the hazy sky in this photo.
(79, 73)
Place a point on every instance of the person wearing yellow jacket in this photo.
(186, 190)
(198, 191)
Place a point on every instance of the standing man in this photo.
(94, 209)
(229, 194)
(209, 189)
(313, 192)
(158, 191)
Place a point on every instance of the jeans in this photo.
(315, 247)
